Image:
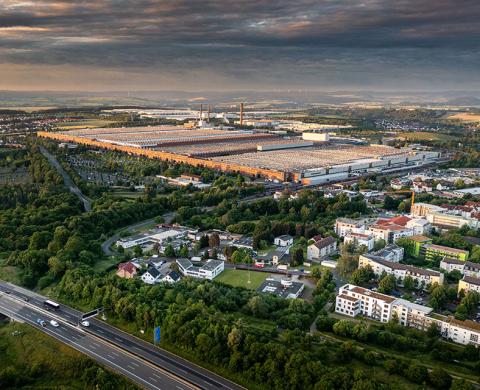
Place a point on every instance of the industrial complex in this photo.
(312, 158)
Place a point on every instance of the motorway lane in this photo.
(197, 375)
(136, 369)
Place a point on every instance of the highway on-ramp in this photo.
(149, 366)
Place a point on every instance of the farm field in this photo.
(239, 278)
(465, 117)
(425, 136)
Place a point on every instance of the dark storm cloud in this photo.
(327, 41)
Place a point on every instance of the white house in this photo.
(359, 239)
(285, 240)
(171, 277)
(151, 276)
(321, 248)
(419, 226)
(209, 270)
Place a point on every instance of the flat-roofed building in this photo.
(208, 270)
(344, 226)
(412, 314)
(360, 239)
(433, 251)
(284, 288)
(353, 300)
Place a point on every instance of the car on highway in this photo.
(26, 299)
(85, 323)
(54, 323)
(41, 322)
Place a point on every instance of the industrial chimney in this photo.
(241, 113)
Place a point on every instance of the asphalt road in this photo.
(135, 368)
(113, 239)
(148, 356)
(66, 179)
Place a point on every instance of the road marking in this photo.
(153, 379)
(110, 356)
(116, 338)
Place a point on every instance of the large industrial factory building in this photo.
(311, 159)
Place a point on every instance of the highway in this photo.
(149, 366)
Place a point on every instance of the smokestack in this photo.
(201, 111)
(241, 113)
(209, 109)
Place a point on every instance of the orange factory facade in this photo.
(177, 158)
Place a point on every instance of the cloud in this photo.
(250, 42)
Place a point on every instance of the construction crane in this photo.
(403, 192)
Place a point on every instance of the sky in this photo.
(193, 45)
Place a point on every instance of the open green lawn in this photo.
(103, 265)
(9, 273)
(239, 278)
(41, 362)
(425, 136)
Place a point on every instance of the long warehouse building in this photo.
(309, 160)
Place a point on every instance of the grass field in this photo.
(28, 109)
(425, 136)
(465, 117)
(84, 123)
(9, 273)
(50, 364)
(239, 278)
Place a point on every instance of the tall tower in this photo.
(241, 113)
(201, 111)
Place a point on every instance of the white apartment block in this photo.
(344, 226)
(359, 239)
(355, 301)
(423, 277)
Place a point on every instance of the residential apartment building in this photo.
(359, 239)
(469, 283)
(389, 232)
(321, 248)
(416, 245)
(391, 252)
(344, 226)
(438, 251)
(424, 209)
(412, 314)
(422, 277)
(355, 301)
(450, 265)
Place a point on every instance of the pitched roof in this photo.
(467, 324)
(471, 280)
(324, 242)
(373, 294)
(174, 275)
(470, 266)
(127, 267)
(399, 266)
(153, 271)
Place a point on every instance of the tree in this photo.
(387, 284)
(137, 250)
(348, 261)
(214, 240)
(169, 251)
(409, 283)
(183, 251)
(379, 244)
(296, 256)
(440, 379)
(361, 276)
